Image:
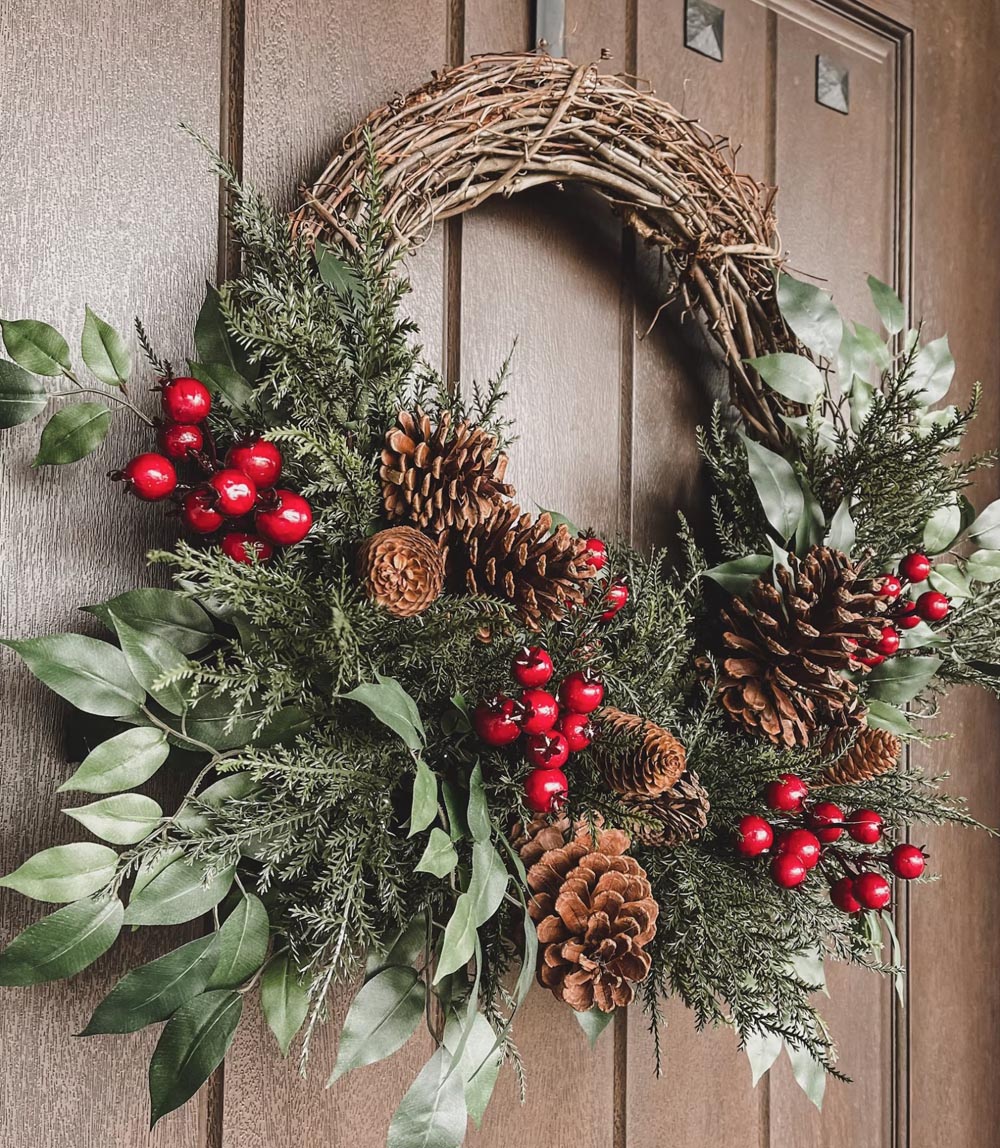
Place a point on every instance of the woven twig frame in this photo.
(502, 124)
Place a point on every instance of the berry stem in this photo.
(121, 399)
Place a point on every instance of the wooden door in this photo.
(103, 201)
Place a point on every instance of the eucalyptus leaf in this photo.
(62, 944)
(985, 529)
(382, 1018)
(192, 816)
(811, 314)
(933, 371)
(738, 575)
(124, 819)
(860, 403)
(284, 997)
(899, 977)
(842, 534)
(474, 908)
(35, 346)
(242, 944)
(888, 305)
(72, 433)
(393, 706)
(179, 892)
(122, 762)
(762, 1049)
(899, 680)
(478, 814)
(432, 1114)
(212, 338)
(777, 488)
(91, 675)
(165, 613)
(22, 396)
(949, 579)
(150, 656)
(439, 858)
(809, 1074)
(811, 526)
(478, 1064)
(874, 345)
(104, 351)
(593, 1022)
(64, 872)
(225, 383)
(942, 528)
(424, 804)
(794, 376)
(882, 715)
(404, 947)
(984, 566)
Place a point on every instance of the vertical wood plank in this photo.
(103, 201)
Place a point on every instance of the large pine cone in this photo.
(673, 817)
(594, 911)
(540, 570)
(872, 753)
(641, 759)
(401, 569)
(438, 478)
(792, 643)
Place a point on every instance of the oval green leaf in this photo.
(104, 352)
(179, 892)
(942, 528)
(439, 858)
(22, 396)
(899, 680)
(123, 820)
(740, 574)
(984, 566)
(794, 376)
(122, 762)
(985, 529)
(424, 804)
(150, 657)
(811, 315)
(382, 1017)
(72, 433)
(432, 1114)
(224, 382)
(194, 818)
(933, 371)
(242, 944)
(284, 997)
(35, 346)
(777, 488)
(64, 872)
(62, 944)
(166, 613)
(888, 305)
(91, 675)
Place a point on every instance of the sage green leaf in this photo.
(193, 1044)
(459, 941)
(432, 1114)
(809, 1074)
(480, 825)
(942, 528)
(811, 315)
(899, 680)
(933, 371)
(853, 358)
(150, 657)
(62, 944)
(165, 613)
(72, 433)
(439, 858)
(947, 578)
(154, 991)
(423, 807)
(860, 402)
(793, 376)
(225, 383)
(881, 715)
(875, 346)
(777, 488)
(212, 339)
(193, 818)
(242, 944)
(888, 305)
(22, 396)
(817, 431)
(124, 819)
(393, 706)
(284, 998)
(336, 273)
(811, 526)
(842, 534)
(984, 566)
(740, 574)
(35, 346)
(91, 675)
(153, 866)
(212, 720)
(122, 762)
(985, 529)
(382, 1018)
(594, 1022)
(179, 892)
(64, 872)
(762, 1049)
(919, 636)
(475, 907)
(479, 1062)
(104, 351)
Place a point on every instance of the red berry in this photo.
(788, 870)
(872, 890)
(545, 790)
(150, 476)
(932, 606)
(597, 553)
(177, 440)
(803, 844)
(547, 750)
(891, 587)
(199, 512)
(786, 794)
(869, 660)
(496, 721)
(753, 835)
(245, 548)
(825, 820)
(581, 692)
(907, 616)
(616, 596)
(907, 861)
(888, 644)
(842, 895)
(287, 521)
(576, 729)
(915, 567)
(539, 711)
(257, 459)
(532, 667)
(185, 400)
(237, 493)
(865, 825)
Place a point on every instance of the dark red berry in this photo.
(237, 493)
(287, 521)
(616, 596)
(753, 835)
(150, 477)
(907, 861)
(865, 825)
(532, 666)
(932, 606)
(907, 616)
(185, 400)
(888, 643)
(539, 710)
(546, 750)
(826, 821)
(545, 790)
(788, 870)
(497, 720)
(842, 895)
(257, 459)
(786, 794)
(597, 553)
(891, 587)
(177, 440)
(576, 729)
(872, 890)
(245, 548)
(199, 512)
(915, 567)
(803, 844)
(581, 692)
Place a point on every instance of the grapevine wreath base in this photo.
(438, 748)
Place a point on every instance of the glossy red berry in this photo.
(150, 476)
(177, 440)
(872, 890)
(185, 400)
(532, 666)
(497, 720)
(237, 494)
(546, 750)
(539, 710)
(888, 643)
(826, 821)
(907, 861)
(753, 836)
(842, 895)
(907, 616)
(199, 512)
(616, 597)
(581, 692)
(786, 794)
(805, 845)
(545, 790)
(865, 825)
(576, 729)
(788, 870)
(597, 553)
(286, 522)
(891, 587)
(257, 459)
(915, 567)
(245, 548)
(932, 606)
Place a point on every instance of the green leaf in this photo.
(179, 892)
(124, 819)
(888, 305)
(193, 1044)
(558, 520)
(881, 715)
(842, 535)
(793, 376)
(64, 872)
(473, 908)
(72, 433)
(225, 383)
(62, 944)
(234, 786)
(777, 488)
(284, 999)
(212, 338)
(439, 858)
(594, 1022)
(35, 346)
(942, 528)
(947, 578)
(811, 526)
(762, 1049)
(809, 1074)
(740, 574)
(860, 403)
(211, 720)
(122, 762)
(919, 636)
(985, 529)
(403, 947)
(874, 345)
(150, 657)
(899, 680)
(382, 1018)
(336, 273)
(423, 808)
(984, 566)
(478, 817)
(432, 1114)
(479, 1062)
(899, 977)
(459, 941)
(91, 675)
(393, 706)
(933, 371)
(154, 991)
(165, 613)
(104, 352)
(22, 396)
(242, 944)
(811, 315)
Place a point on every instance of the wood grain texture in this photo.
(91, 99)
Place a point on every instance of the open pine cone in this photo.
(791, 643)
(401, 569)
(594, 911)
(872, 753)
(673, 817)
(644, 760)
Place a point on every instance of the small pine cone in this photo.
(644, 760)
(594, 911)
(538, 836)
(872, 753)
(402, 570)
(674, 817)
(441, 478)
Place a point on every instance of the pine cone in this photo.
(792, 645)
(645, 760)
(594, 911)
(872, 753)
(538, 836)
(402, 570)
(438, 478)
(512, 557)
(674, 817)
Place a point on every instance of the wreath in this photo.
(439, 748)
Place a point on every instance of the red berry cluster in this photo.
(854, 879)
(616, 595)
(929, 606)
(243, 484)
(552, 725)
